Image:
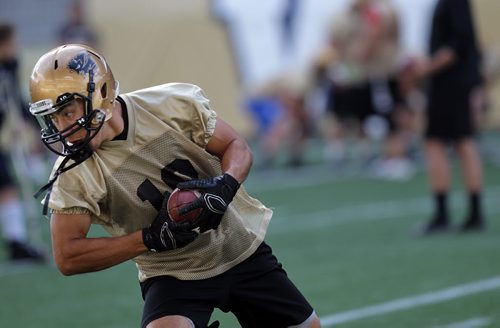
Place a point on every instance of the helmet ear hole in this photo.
(104, 90)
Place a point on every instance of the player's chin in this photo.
(78, 143)
(95, 143)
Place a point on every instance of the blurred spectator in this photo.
(453, 69)
(13, 130)
(362, 65)
(264, 38)
(282, 119)
(76, 30)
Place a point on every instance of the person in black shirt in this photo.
(453, 71)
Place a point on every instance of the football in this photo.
(180, 198)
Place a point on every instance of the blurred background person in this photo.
(283, 119)
(14, 132)
(264, 39)
(76, 29)
(453, 72)
(362, 66)
(414, 26)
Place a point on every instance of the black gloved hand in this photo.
(217, 193)
(164, 234)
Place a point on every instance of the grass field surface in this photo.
(348, 243)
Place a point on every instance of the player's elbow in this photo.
(66, 270)
(65, 265)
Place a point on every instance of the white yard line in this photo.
(471, 323)
(412, 302)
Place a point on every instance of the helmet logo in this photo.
(64, 97)
(82, 63)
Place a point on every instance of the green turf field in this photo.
(346, 241)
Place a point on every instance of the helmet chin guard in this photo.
(57, 141)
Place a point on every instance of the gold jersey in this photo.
(122, 184)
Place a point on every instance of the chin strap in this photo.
(78, 158)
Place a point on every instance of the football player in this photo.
(120, 158)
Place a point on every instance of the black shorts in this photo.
(257, 291)
(365, 100)
(449, 115)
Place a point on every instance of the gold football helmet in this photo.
(62, 75)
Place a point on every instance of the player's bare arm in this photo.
(234, 152)
(218, 192)
(75, 253)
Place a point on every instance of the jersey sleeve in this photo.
(77, 192)
(182, 106)
(189, 112)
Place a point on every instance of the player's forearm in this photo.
(94, 254)
(237, 160)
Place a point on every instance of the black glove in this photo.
(164, 234)
(217, 193)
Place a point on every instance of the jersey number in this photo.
(147, 191)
